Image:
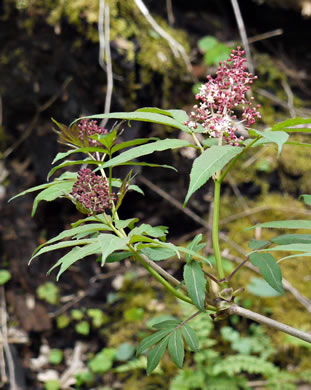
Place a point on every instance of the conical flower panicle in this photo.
(220, 96)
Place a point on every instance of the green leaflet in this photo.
(122, 224)
(151, 340)
(298, 143)
(134, 142)
(88, 149)
(90, 228)
(290, 123)
(106, 139)
(269, 269)
(286, 239)
(53, 192)
(261, 288)
(168, 245)
(75, 162)
(190, 337)
(304, 254)
(176, 348)
(155, 355)
(180, 116)
(168, 324)
(118, 256)
(290, 224)
(32, 189)
(144, 150)
(146, 229)
(63, 244)
(194, 254)
(92, 218)
(148, 114)
(301, 247)
(76, 253)
(306, 198)
(257, 244)
(195, 246)
(207, 164)
(155, 110)
(118, 183)
(110, 243)
(277, 137)
(195, 283)
(158, 254)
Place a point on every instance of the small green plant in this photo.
(83, 328)
(213, 50)
(213, 127)
(5, 276)
(52, 385)
(56, 356)
(103, 361)
(49, 292)
(245, 356)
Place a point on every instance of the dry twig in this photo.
(170, 14)
(243, 34)
(176, 47)
(35, 119)
(290, 100)
(6, 347)
(104, 52)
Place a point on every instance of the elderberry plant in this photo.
(214, 128)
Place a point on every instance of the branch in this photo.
(243, 34)
(6, 347)
(251, 315)
(175, 46)
(104, 47)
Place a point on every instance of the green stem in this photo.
(121, 233)
(197, 142)
(215, 232)
(157, 276)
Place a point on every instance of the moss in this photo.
(138, 294)
(295, 166)
(271, 79)
(129, 31)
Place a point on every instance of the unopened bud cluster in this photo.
(220, 96)
(92, 192)
(89, 128)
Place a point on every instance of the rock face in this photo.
(304, 6)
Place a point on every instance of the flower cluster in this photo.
(92, 191)
(88, 128)
(220, 96)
